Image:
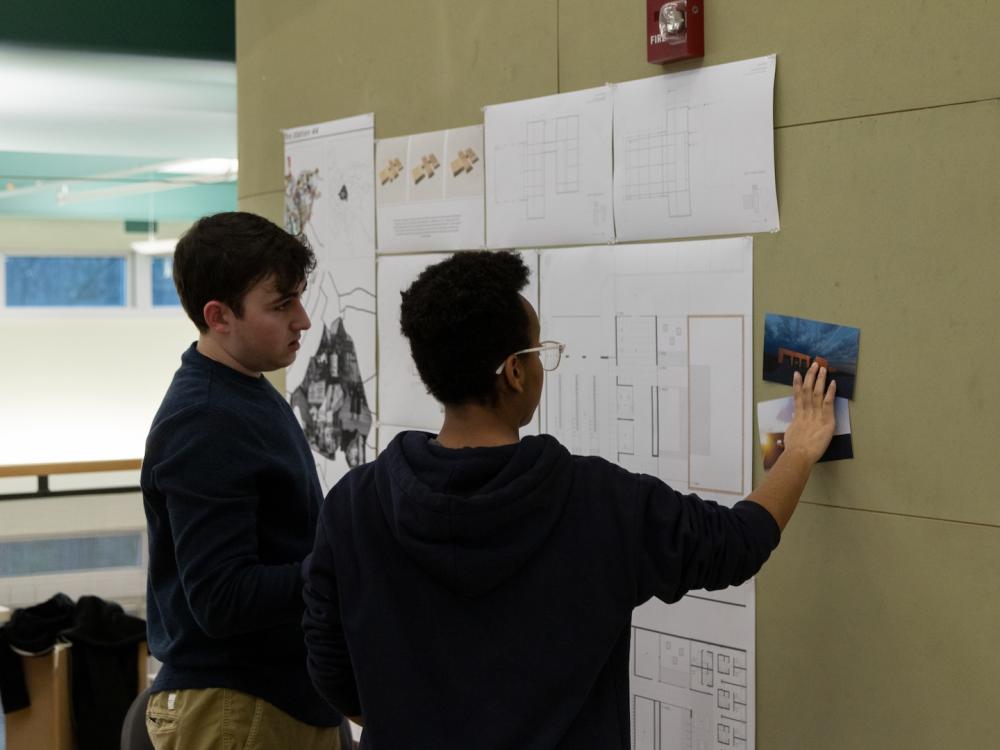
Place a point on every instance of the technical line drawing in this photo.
(681, 697)
(658, 163)
(558, 138)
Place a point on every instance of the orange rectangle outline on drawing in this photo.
(743, 403)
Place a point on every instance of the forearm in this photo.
(782, 487)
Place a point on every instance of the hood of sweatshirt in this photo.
(472, 517)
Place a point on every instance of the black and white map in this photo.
(330, 203)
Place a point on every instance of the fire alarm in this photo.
(675, 30)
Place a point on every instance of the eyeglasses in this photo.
(549, 352)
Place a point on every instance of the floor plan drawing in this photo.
(665, 363)
(657, 163)
(548, 170)
(656, 377)
(550, 145)
(694, 152)
(687, 694)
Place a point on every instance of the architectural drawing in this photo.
(687, 694)
(549, 170)
(667, 356)
(694, 152)
(656, 378)
(658, 163)
(330, 204)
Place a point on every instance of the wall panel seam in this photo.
(887, 112)
(258, 195)
(915, 516)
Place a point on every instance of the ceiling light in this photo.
(155, 247)
(218, 167)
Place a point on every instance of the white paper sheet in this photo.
(403, 398)
(656, 377)
(330, 200)
(429, 190)
(694, 152)
(548, 170)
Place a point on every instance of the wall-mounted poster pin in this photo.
(792, 344)
(773, 418)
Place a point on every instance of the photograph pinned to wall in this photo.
(429, 191)
(330, 205)
(792, 344)
(773, 418)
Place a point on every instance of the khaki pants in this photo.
(222, 719)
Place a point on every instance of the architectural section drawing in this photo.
(429, 191)
(330, 204)
(549, 170)
(694, 152)
(404, 402)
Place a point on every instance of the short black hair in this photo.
(222, 256)
(463, 317)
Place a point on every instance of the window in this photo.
(37, 556)
(164, 291)
(99, 281)
(65, 281)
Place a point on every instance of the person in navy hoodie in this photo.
(232, 497)
(475, 590)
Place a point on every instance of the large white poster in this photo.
(656, 377)
(330, 202)
(694, 152)
(548, 170)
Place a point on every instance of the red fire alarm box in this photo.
(675, 30)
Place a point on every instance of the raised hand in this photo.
(812, 425)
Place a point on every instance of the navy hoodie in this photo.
(482, 597)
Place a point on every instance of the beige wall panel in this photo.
(269, 205)
(419, 66)
(877, 632)
(835, 59)
(890, 224)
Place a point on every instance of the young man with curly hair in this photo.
(231, 497)
(475, 590)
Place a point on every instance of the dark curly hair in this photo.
(222, 256)
(463, 316)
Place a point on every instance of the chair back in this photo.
(134, 734)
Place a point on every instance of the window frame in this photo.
(138, 286)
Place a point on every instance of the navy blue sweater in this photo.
(482, 598)
(231, 497)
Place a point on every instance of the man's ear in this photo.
(217, 316)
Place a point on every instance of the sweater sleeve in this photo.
(209, 486)
(688, 543)
(327, 655)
